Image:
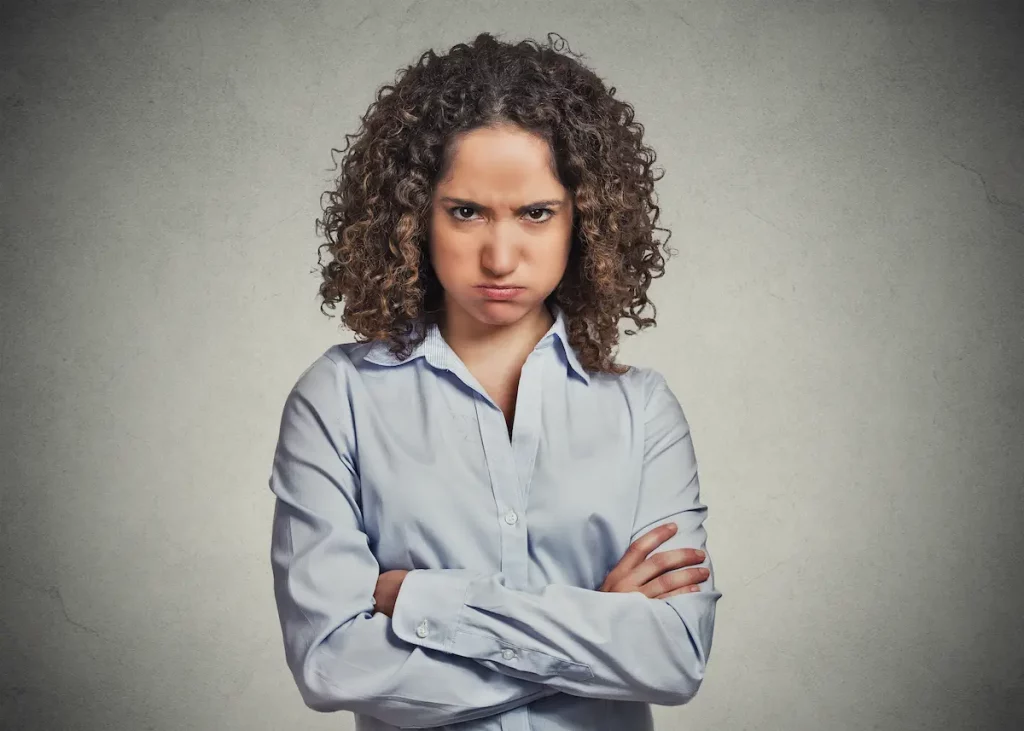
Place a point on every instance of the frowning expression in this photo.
(500, 217)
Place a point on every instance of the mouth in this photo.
(500, 292)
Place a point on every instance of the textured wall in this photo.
(843, 325)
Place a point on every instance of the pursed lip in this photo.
(500, 292)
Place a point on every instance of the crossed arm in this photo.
(461, 645)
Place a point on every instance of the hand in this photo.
(655, 577)
(386, 593)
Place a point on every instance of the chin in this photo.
(497, 312)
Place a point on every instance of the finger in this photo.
(684, 590)
(674, 580)
(685, 581)
(662, 563)
(638, 551)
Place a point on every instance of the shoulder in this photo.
(643, 382)
(340, 358)
(330, 371)
(325, 394)
(659, 404)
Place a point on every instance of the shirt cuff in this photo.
(428, 606)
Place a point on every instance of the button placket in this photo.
(510, 463)
(528, 428)
(501, 468)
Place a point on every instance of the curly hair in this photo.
(377, 219)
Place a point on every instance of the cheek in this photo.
(553, 255)
(447, 259)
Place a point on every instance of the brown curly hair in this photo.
(377, 219)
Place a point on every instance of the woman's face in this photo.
(501, 217)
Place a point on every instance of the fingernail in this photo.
(700, 554)
(673, 527)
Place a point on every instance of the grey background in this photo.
(843, 325)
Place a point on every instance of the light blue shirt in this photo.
(384, 464)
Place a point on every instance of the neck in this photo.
(473, 340)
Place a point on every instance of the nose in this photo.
(500, 254)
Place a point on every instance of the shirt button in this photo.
(508, 654)
(421, 631)
(511, 518)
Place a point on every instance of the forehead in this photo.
(506, 161)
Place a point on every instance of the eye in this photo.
(452, 211)
(540, 210)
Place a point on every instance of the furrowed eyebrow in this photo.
(521, 209)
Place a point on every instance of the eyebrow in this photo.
(522, 209)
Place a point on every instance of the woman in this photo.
(467, 496)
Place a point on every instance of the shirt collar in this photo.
(558, 330)
(440, 355)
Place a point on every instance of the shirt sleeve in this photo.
(341, 654)
(621, 646)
